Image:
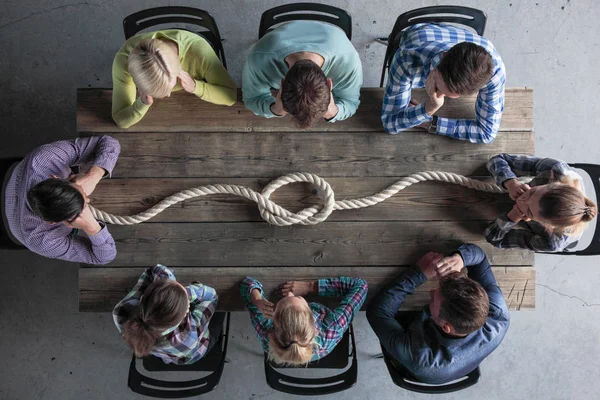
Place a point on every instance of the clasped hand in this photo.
(435, 265)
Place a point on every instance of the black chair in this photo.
(305, 11)
(401, 377)
(337, 359)
(144, 19)
(593, 249)
(471, 17)
(7, 242)
(213, 362)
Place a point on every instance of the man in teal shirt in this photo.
(305, 68)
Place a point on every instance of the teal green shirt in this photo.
(265, 66)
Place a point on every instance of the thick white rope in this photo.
(274, 214)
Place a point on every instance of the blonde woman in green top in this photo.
(158, 63)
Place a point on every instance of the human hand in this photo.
(298, 288)
(516, 188)
(147, 100)
(436, 99)
(88, 180)
(515, 215)
(453, 263)
(85, 221)
(332, 108)
(187, 82)
(264, 306)
(277, 107)
(428, 264)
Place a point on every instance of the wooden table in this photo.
(183, 142)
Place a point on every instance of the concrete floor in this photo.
(51, 47)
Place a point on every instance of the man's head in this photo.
(459, 305)
(306, 92)
(57, 200)
(463, 70)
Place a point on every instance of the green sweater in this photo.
(197, 58)
(265, 66)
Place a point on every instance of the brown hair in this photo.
(292, 340)
(465, 303)
(466, 68)
(564, 206)
(305, 93)
(150, 65)
(163, 305)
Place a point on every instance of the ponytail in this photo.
(590, 210)
(140, 336)
(292, 341)
(566, 208)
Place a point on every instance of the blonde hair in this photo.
(565, 206)
(150, 64)
(292, 340)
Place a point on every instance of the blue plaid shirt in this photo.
(187, 342)
(331, 325)
(535, 236)
(420, 52)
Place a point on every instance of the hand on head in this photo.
(332, 108)
(516, 188)
(436, 98)
(277, 107)
(84, 221)
(146, 99)
(187, 82)
(264, 306)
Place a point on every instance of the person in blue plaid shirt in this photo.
(449, 62)
(163, 318)
(295, 332)
(552, 208)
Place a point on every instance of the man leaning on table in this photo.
(46, 200)
(448, 62)
(465, 321)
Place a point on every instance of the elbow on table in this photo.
(121, 123)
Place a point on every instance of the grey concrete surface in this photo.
(51, 47)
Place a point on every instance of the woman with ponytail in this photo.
(295, 332)
(552, 207)
(163, 318)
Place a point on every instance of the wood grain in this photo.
(100, 289)
(329, 243)
(164, 155)
(183, 112)
(424, 201)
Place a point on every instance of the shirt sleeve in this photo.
(509, 166)
(354, 292)
(397, 114)
(127, 108)
(213, 83)
(381, 314)
(261, 324)
(255, 89)
(203, 303)
(480, 271)
(502, 234)
(488, 113)
(346, 94)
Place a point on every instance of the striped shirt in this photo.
(421, 50)
(330, 325)
(502, 233)
(187, 342)
(58, 240)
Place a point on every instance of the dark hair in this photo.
(563, 206)
(55, 200)
(163, 305)
(465, 303)
(466, 68)
(305, 93)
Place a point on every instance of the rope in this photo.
(274, 214)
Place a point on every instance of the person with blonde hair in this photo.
(552, 207)
(295, 332)
(163, 318)
(158, 63)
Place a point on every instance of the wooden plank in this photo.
(184, 113)
(164, 155)
(328, 243)
(101, 288)
(423, 201)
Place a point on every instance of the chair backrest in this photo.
(145, 19)
(337, 359)
(402, 378)
(593, 249)
(471, 17)
(213, 361)
(305, 11)
(6, 240)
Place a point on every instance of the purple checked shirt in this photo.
(57, 240)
